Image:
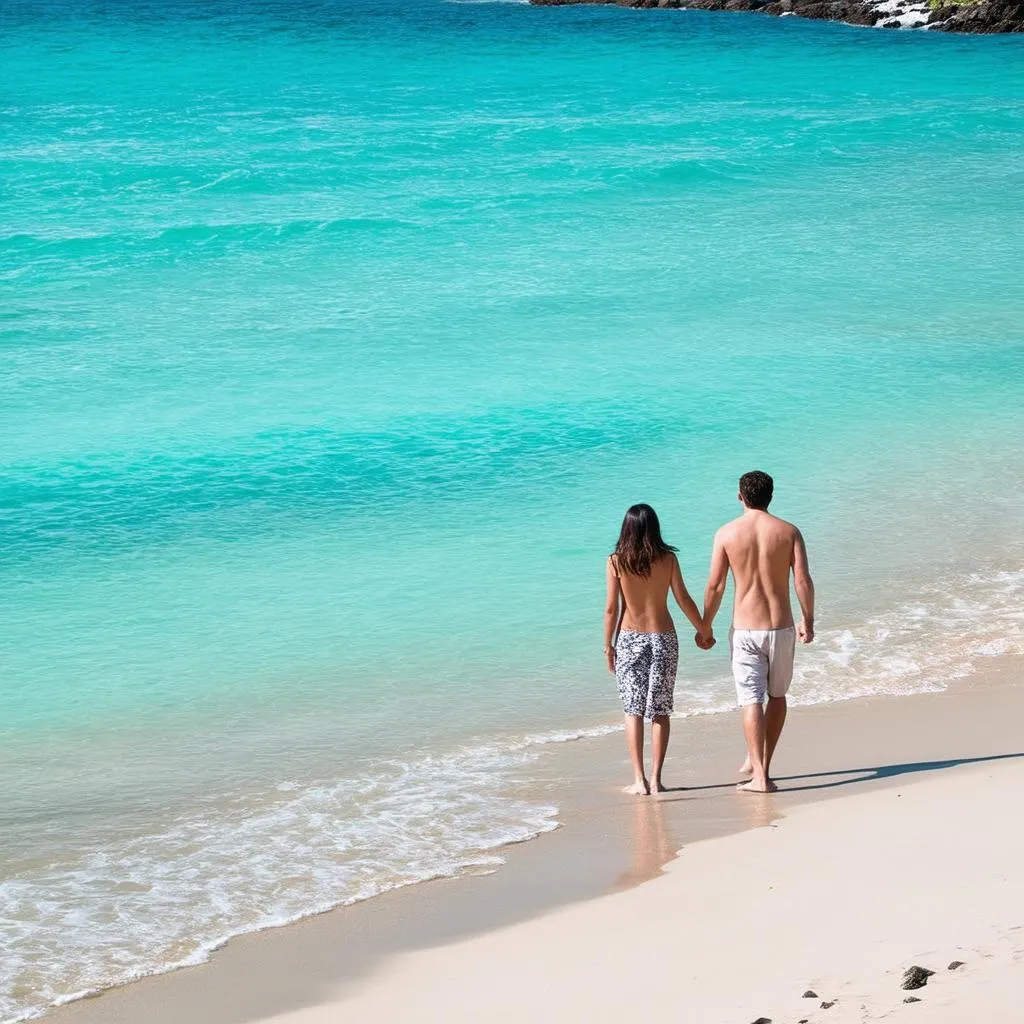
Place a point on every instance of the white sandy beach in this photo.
(838, 897)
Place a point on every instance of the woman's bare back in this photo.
(646, 597)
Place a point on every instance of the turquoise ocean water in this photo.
(335, 338)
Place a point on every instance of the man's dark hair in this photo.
(756, 489)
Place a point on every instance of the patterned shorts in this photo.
(645, 669)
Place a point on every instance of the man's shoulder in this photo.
(728, 530)
(785, 528)
(786, 525)
(733, 534)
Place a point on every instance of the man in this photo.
(761, 550)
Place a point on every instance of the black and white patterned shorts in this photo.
(645, 669)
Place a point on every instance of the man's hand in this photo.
(805, 631)
(609, 653)
(705, 641)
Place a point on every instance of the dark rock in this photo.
(955, 965)
(911, 999)
(763, 1020)
(826, 1005)
(974, 16)
(984, 17)
(810, 994)
(915, 977)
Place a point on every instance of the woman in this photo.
(640, 639)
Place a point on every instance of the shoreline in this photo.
(607, 842)
(965, 17)
(820, 917)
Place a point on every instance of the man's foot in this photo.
(638, 789)
(758, 786)
(658, 786)
(747, 770)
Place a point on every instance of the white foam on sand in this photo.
(921, 646)
(150, 903)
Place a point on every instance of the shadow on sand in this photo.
(849, 776)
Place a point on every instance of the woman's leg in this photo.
(635, 742)
(631, 676)
(661, 690)
(659, 747)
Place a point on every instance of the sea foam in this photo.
(166, 899)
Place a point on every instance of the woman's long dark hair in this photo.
(640, 544)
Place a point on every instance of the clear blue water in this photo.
(337, 336)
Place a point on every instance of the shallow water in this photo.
(336, 337)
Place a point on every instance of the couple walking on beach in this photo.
(640, 639)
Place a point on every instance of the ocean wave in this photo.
(81, 923)
(157, 242)
(922, 645)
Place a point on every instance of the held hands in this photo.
(705, 639)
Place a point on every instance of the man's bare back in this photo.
(761, 550)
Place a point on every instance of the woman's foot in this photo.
(658, 786)
(747, 770)
(639, 788)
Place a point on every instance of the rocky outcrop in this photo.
(988, 16)
(993, 16)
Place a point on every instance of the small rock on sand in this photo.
(915, 977)
(911, 999)
(763, 1020)
(955, 965)
(826, 1005)
(811, 994)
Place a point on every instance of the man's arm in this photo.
(717, 577)
(612, 612)
(804, 588)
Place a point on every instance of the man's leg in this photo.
(746, 660)
(659, 742)
(635, 742)
(774, 720)
(754, 731)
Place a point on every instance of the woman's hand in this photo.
(609, 653)
(705, 640)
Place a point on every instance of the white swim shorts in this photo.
(762, 663)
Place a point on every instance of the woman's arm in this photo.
(612, 612)
(686, 604)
